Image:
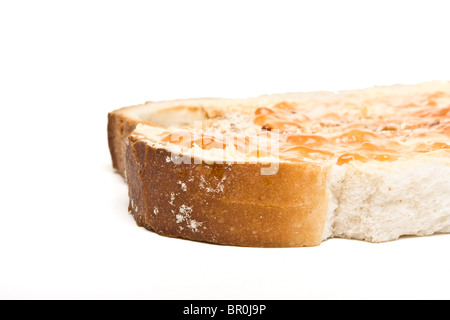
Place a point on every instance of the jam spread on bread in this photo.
(341, 132)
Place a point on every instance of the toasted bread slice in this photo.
(289, 170)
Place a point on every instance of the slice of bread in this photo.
(289, 170)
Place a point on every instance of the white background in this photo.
(64, 228)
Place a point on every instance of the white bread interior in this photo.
(380, 202)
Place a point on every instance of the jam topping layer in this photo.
(343, 130)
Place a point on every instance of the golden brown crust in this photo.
(119, 128)
(226, 204)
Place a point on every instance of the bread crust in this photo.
(120, 125)
(226, 204)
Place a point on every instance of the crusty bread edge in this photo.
(226, 204)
